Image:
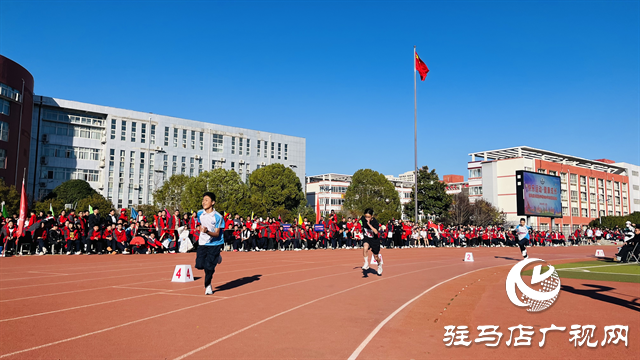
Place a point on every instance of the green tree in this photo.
(11, 198)
(274, 189)
(96, 201)
(71, 191)
(370, 189)
(169, 195)
(43, 206)
(432, 196)
(230, 191)
(611, 222)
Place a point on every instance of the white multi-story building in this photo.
(633, 171)
(125, 155)
(589, 188)
(329, 190)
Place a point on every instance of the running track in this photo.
(275, 305)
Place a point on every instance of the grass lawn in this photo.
(604, 270)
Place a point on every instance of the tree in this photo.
(460, 211)
(230, 191)
(611, 222)
(432, 196)
(70, 192)
(370, 189)
(484, 213)
(275, 188)
(96, 201)
(169, 194)
(11, 198)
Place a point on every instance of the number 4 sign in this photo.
(182, 273)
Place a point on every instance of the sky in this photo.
(557, 75)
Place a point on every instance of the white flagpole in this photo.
(415, 136)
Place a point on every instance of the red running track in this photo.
(314, 304)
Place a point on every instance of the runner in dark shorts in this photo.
(370, 226)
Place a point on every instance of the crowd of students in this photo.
(90, 233)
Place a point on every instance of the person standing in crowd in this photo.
(371, 241)
(211, 239)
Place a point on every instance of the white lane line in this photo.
(138, 288)
(589, 267)
(598, 272)
(298, 307)
(42, 272)
(200, 296)
(368, 339)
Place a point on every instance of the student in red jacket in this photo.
(95, 239)
(72, 237)
(273, 227)
(120, 240)
(283, 238)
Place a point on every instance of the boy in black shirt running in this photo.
(371, 241)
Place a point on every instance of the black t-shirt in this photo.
(366, 230)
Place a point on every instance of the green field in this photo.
(602, 270)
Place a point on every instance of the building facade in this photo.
(16, 105)
(125, 155)
(329, 191)
(589, 188)
(633, 171)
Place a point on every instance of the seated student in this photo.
(94, 240)
(40, 235)
(119, 241)
(283, 238)
(310, 237)
(236, 238)
(8, 237)
(107, 237)
(156, 246)
(246, 239)
(630, 243)
(72, 237)
(55, 238)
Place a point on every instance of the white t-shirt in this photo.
(211, 221)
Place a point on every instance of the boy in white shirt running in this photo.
(211, 239)
(522, 231)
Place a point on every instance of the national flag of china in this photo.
(421, 67)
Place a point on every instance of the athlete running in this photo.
(370, 226)
(522, 231)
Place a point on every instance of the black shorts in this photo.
(207, 257)
(374, 245)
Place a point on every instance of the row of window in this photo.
(64, 174)
(9, 92)
(134, 132)
(3, 159)
(55, 115)
(72, 130)
(70, 152)
(5, 107)
(336, 189)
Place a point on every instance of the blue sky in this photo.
(561, 76)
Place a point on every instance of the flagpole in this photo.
(415, 136)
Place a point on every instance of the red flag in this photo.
(23, 213)
(421, 67)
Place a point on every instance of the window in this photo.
(600, 183)
(592, 182)
(574, 195)
(153, 134)
(273, 146)
(113, 129)
(166, 136)
(565, 211)
(636, 187)
(475, 173)
(258, 149)
(193, 140)
(233, 166)
(233, 145)
(184, 138)
(133, 131)
(475, 190)
(240, 141)
(563, 195)
(165, 160)
(265, 149)
(143, 132)
(175, 137)
(4, 131)
(634, 173)
(542, 171)
(201, 140)
(279, 151)
(584, 213)
(583, 196)
(216, 142)
(123, 131)
(248, 148)
(563, 177)
(5, 107)
(573, 178)
(617, 185)
(592, 197)
(174, 165)
(3, 159)
(554, 173)
(286, 151)
(9, 92)
(594, 213)
(583, 180)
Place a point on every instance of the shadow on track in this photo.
(598, 293)
(237, 283)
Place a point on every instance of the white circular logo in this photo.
(534, 299)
